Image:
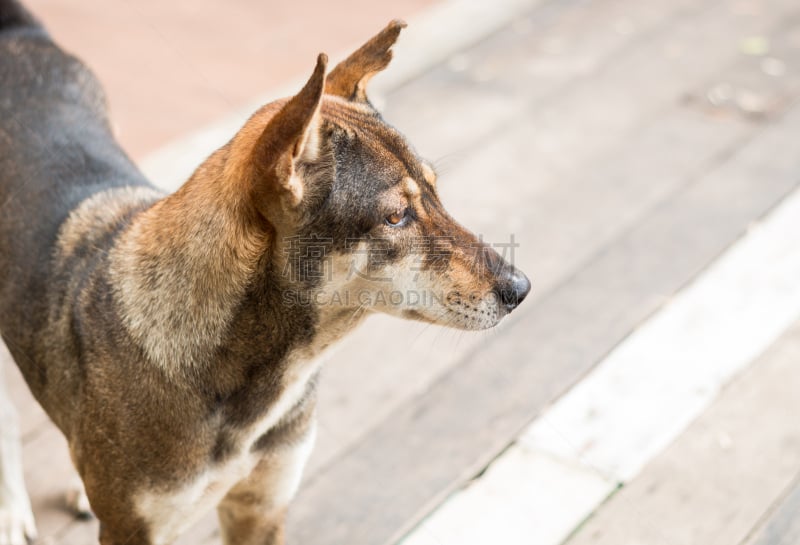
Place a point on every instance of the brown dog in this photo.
(175, 339)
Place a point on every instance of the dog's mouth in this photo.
(473, 312)
(477, 302)
(465, 295)
(483, 310)
(484, 289)
(466, 310)
(486, 311)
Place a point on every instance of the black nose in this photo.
(513, 289)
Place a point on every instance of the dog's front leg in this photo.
(16, 517)
(254, 511)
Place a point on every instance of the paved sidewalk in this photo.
(630, 147)
(731, 475)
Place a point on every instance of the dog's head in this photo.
(356, 213)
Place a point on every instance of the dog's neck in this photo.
(182, 268)
(185, 265)
(201, 269)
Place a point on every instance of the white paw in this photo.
(77, 502)
(16, 525)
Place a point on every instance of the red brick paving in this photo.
(170, 67)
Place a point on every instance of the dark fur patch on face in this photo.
(365, 172)
(352, 188)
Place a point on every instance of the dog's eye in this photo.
(398, 219)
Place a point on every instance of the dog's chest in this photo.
(170, 512)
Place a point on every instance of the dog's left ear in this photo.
(290, 135)
(350, 77)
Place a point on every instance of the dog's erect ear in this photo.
(350, 77)
(289, 135)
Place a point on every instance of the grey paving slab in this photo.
(663, 48)
(782, 525)
(533, 62)
(530, 64)
(717, 480)
(756, 87)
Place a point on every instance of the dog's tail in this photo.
(14, 15)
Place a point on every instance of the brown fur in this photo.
(350, 78)
(178, 341)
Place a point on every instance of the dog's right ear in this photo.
(350, 77)
(290, 134)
